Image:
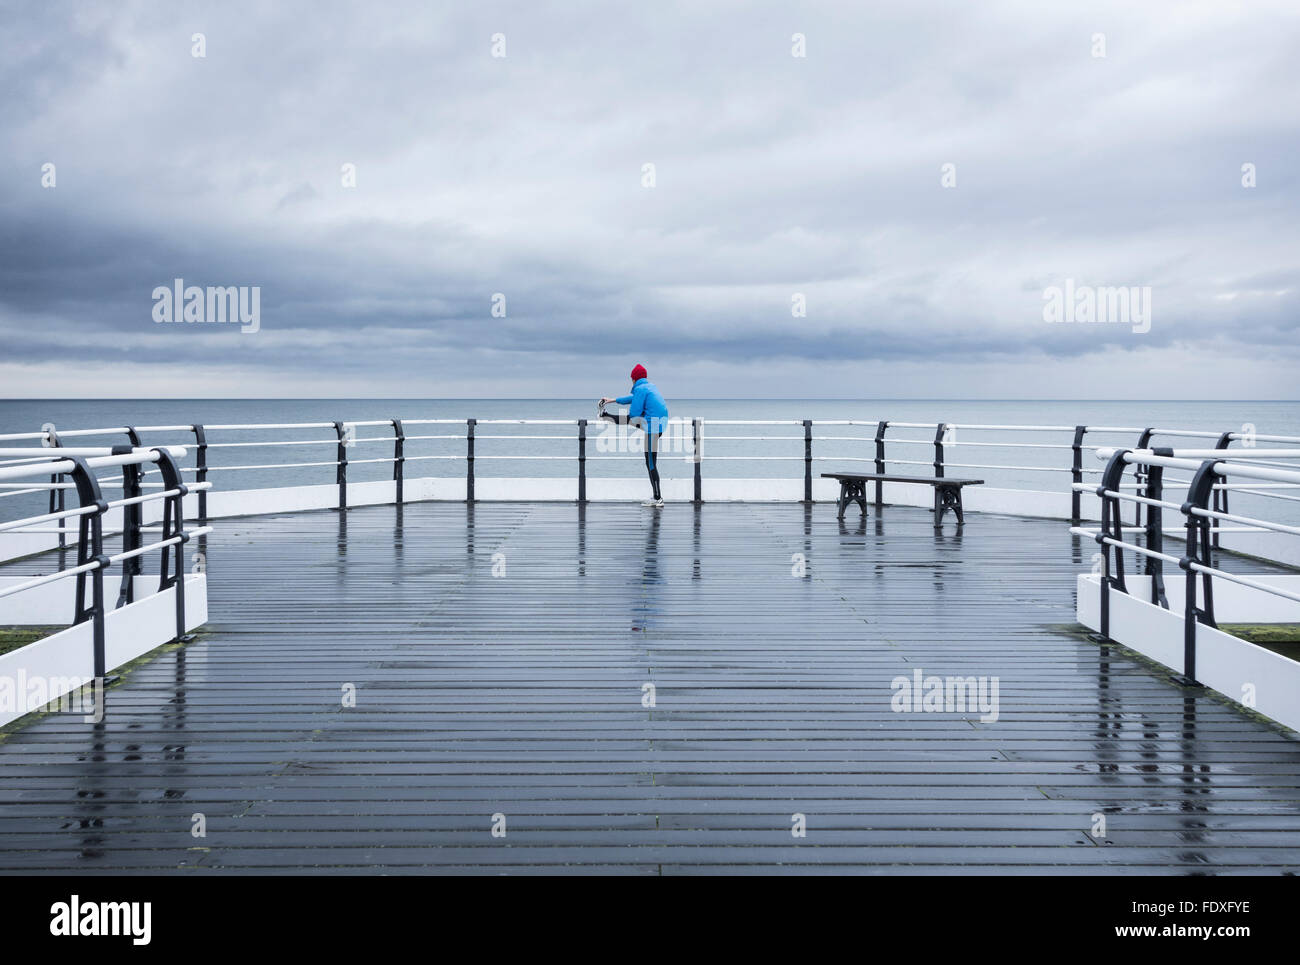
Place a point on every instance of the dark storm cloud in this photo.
(775, 176)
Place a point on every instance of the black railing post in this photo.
(132, 521)
(1197, 551)
(880, 460)
(582, 461)
(399, 458)
(1220, 495)
(1140, 476)
(90, 549)
(57, 500)
(469, 459)
(699, 487)
(201, 470)
(1155, 537)
(1076, 476)
(341, 473)
(174, 528)
(938, 450)
(1112, 526)
(1112, 518)
(807, 461)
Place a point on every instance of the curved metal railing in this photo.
(1204, 517)
(1010, 456)
(77, 470)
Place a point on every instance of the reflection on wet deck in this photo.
(520, 694)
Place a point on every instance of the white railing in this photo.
(1204, 516)
(61, 469)
(361, 454)
(1179, 623)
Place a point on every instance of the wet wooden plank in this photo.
(521, 693)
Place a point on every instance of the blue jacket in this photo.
(646, 402)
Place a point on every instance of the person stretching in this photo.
(647, 411)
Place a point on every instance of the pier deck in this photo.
(520, 694)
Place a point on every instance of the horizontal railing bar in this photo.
(49, 578)
(1261, 495)
(331, 441)
(1167, 462)
(24, 492)
(29, 460)
(1129, 497)
(273, 425)
(1092, 534)
(60, 466)
(120, 430)
(1266, 461)
(1247, 487)
(86, 452)
(164, 494)
(964, 425)
(1244, 581)
(975, 465)
(1008, 445)
(16, 436)
(48, 517)
(161, 544)
(273, 465)
(1203, 454)
(483, 438)
(1180, 530)
(713, 438)
(1256, 472)
(1261, 438)
(1247, 520)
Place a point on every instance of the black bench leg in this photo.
(862, 498)
(945, 498)
(842, 501)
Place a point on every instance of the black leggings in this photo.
(651, 444)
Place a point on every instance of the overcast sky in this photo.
(774, 176)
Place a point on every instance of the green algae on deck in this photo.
(1281, 638)
(11, 638)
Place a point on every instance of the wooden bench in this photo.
(947, 491)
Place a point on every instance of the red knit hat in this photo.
(638, 372)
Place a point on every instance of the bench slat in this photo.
(886, 477)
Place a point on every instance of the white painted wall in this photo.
(1225, 663)
(129, 632)
(54, 603)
